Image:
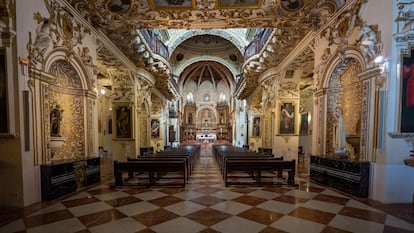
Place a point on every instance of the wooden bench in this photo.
(252, 172)
(188, 159)
(152, 171)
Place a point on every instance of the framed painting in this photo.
(407, 93)
(256, 127)
(172, 4)
(287, 118)
(155, 128)
(118, 6)
(123, 122)
(292, 5)
(304, 123)
(239, 3)
(3, 95)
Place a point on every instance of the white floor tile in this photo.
(396, 222)
(89, 208)
(137, 208)
(65, 226)
(239, 225)
(264, 194)
(13, 227)
(231, 207)
(150, 195)
(357, 204)
(297, 225)
(302, 194)
(188, 195)
(53, 208)
(184, 207)
(124, 225)
(278, 207)
(356, 225)
(323, 206)
(111, 195)
(226, 195)
(178, 225)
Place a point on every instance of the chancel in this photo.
(206, 116)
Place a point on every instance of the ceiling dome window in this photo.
(190, 97)
(222, 97)
(206, 98)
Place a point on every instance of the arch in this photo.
(201, 109)
(191, 61)
(343, 94)
(331, 66)
(75, 61)
(232, 35)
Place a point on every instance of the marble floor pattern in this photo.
(206, 205)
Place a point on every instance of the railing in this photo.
(173, 82)
(239, 80)
(156, 45)
(257, 44)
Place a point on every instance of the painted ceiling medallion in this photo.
(239, 3)
(172, 4)
(118, 6)
(291, 5)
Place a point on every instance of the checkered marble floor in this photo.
(206, 205)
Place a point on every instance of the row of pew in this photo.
(171, 167)
(240, 166)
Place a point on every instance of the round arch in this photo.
(230, 35)
(332, 65)
(75, 61)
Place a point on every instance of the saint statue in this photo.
(339, 133)
(55, 120)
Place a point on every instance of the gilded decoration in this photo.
(64, 75)
(344, 93)
(72, 126)
(59, 29)
(284, 16)
(71, 108)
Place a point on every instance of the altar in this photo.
(210, 136)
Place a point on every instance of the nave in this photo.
(206, 205)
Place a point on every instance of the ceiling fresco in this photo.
(291, 20)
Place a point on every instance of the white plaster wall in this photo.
(389, 183)
(31, 186)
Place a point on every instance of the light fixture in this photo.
(379, 59)
(103, 91)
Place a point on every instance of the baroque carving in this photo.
(60, 29)
(65, 75)
(370, 43)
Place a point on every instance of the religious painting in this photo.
(292, 5)
(110, 126)
(407, 94)
(287, 118)
(118, 6)
(304, 124)
(155, 128)
(123, 122)
(172, 4)
(239, 3)
(3, 95)
(256, 127)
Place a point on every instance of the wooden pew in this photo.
(153, 170)
(258, 167)
(188, 159)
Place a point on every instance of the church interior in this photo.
(310, 101)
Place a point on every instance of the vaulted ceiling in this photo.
(291, 20)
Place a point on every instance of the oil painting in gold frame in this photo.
(254, 4)
(172, 4)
